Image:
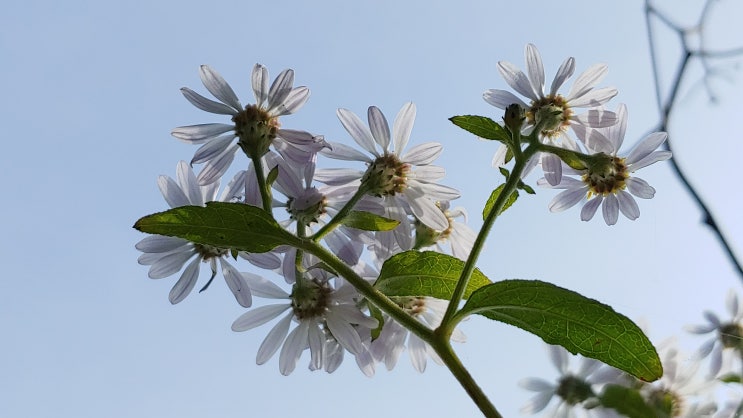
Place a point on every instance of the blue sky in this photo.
(91, 94)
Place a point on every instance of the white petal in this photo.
(335, 176)
(273, 340)
(594, 98)
(615, 133)
(563, 73)
(427, 173)
(237, 284)
(293, 347)
(589, 209)
(435, 191)
(259, 82)
(315, 339)
(587, 80)
(645, 147)
(258, 316)
(205, 104)
(344, 332)
(610, 209)
(499, 159)
(212, 149)
(516, 79)
(159, 244)
(267, 261)
(359, 132)
(417, 351)
(198, 134)
(235, 189)
(172, 192)
(279, 91)
(403, 126)
(379, 127)
(537, 403)
(263, 287)
(216, 167)
(559, 357)
(552, 167)
(628, 206)
(185, 284)
(596, 118)
(340, 151)
(700, 329)
(536, 385)
(502, 99)
(535, 68)
(294, 101)
(731, 302)
(653, 158)
(640, 188)
(218, 87)
(426, 211)
(567, 199)
(169, 264)
(423, 154)
(187, 181)
(594, 140)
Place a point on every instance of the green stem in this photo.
(513, 180)
(262, 186)
(338, 218)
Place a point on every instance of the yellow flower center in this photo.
(386, 176)
(607, 176)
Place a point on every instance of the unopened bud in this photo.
(514, 117)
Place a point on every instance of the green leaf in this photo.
(427, 273)
(563, 317)
(368, 221)
(730, 378)
(494, 196)
(377, 314)
(626, 401)
(482, 126)
(225, 225)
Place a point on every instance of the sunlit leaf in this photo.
(481, 126)
(368, 221)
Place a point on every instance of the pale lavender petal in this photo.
(615, 133)
(653, 158)
(258, 316)
(596, 118)
(587, 81)
(212, 149)
(216, 167)
(159, 244)
(700, 329)
(198, 134)
(235, 189)
(563, 73)
(536, 385)
(379, 127)
(390, 343)
(359, 132)
(535, 68)
(403, 126)
(344, 332)
(589, 209)
(435, 191)
(342, 246)
(610, 209)
(712, 318)
(731, 303)
(559, 357)
(499, 159)
(237, 284)
(187, 182)
(205, 104)
(169, 264)
(172, 192)
(423, 154)
(264, 288)
(552, 167)
(417, 351)
(502, 99)
(537, 403)
(273, 340)
(315, 339)
(567, 199)
(594, 98)
(351, 314)
(426, 211)
(706, 348)
(267, 261)
(715, 361)
(334, 176)
(218, 87)
(565, 183)
(294, 101)
(640, 188)
(259, 82)
(516, 79)
(427, 173)
(628, 206)
(293, 347)
(594, 140)
(280, 90)
(185, 284)
(340, 151)
(645, 147)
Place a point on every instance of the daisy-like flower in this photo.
(406, 181)
(540, 103)
(326, 316)
(728, 338)
(574, 390)
(255, 126)
(167, 255)
(609, 180)
(460, 236)
(394, 338)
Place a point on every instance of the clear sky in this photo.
(90, 94)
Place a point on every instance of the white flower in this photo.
(728, 334)
(573, 390)
(168, 255)
(255, 126)
(581, 95)
(609, 181)
(326, 317)
(394, 337)
(406, 181)
(460, 236)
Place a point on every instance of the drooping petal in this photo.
(567, 199)
(499, 159)
(293, 347)
(610, 209)
(417, 350)
(205, 104)
(358, 130)
(426, 211)
(212, 149)
(502, 98)
(258, 316)
(344, 332)
(379, 127)
(731, 303)
(237, 284)
(198, 134)
(627, 205)
(169, 264)
(273, 340)
(640, 188)
(552, 167)
(403, 126)
(589, 209)
(185, 283)
(216, 167)
(218, 87)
